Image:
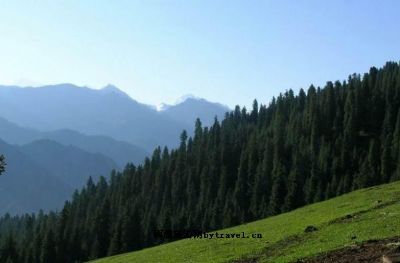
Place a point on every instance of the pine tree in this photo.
(116, 240)
(48, 253)
(374, 162)
(386, 162)
(240, 196)
(396, 140)
(101, 228)
(2, 164)
(254, 112)
(278, 191)
(396, 174)
(295, 194)
(277, 196)
(311, 186)
(8, 252)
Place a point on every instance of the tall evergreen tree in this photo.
(8, 252)
(101, 228)
(2, 164)
(48, 253)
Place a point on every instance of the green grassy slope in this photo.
(372, 213)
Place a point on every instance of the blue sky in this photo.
(225, 51)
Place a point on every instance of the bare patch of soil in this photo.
(386, 250)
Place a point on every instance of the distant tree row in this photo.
(271, 159)
(2, 164)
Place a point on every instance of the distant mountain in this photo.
(107, 111)
(69, 163)
(121, 152)
(93, 112)
(192, 108)
(15, 134)
(43, 174)
(26, 186)
(113, 89)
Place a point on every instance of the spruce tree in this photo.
(48, 253)
(8, 252)
(101, 228)
(2, 164)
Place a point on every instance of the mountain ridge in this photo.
(42, 175)
(108, 111)
(24, 187)
(121, 152)
(71, 164)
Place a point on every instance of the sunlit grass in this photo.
(376, 213)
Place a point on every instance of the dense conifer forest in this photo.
(298, 149)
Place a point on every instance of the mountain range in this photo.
(43, 174)
(107, 111)
(191, 108)
(55, 137)
(121, 152)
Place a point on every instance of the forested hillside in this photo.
(296, 150)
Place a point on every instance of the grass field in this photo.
(372, 213)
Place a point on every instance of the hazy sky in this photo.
(226, 51)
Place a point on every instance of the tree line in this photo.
(297, 150)
(2, 164)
